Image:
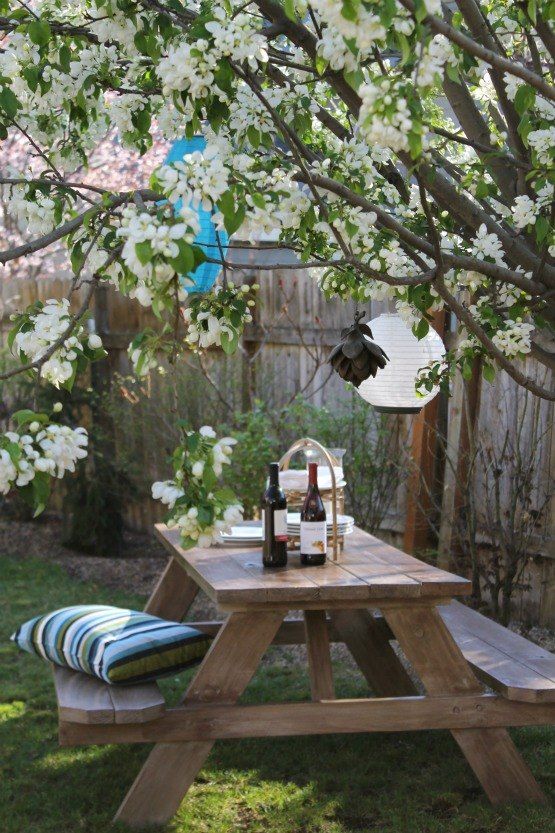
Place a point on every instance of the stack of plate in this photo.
(249, 533)
(245, 534)
(345, 524)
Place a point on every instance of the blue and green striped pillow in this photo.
(114, 644)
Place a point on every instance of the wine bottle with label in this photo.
(314, 538)
(274, 521)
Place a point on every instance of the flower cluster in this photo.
(431, 66)
(198, 507)
(366, 30)
(200, 179)
(218, 319)
(385, 118)
(487, 246)
(157, 248)
(524, 211)
(40, 327)
(38, 451)
(514, 339)
(193, 67)
(35, 212)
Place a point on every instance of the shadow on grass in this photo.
(386, 783)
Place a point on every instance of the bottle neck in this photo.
(313, 474)
(274, 474)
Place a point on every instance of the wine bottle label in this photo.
(313, 537)
(280, 524)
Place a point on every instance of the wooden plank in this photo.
(82, 699)
(226, 670)
(438, 661)
(137, 703)
(221, 578)
(280, 584)
(292, 631)
(371, 649)
(334, 582)
(85, 699)
(174, 593)
(318, 651)
(507, 661)
(369, 570)
(396, 714)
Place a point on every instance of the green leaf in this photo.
(64, 57)
(349, 10)
(226, 203)
(185, 260)
(258, 200)
(40, 492)
(77, 258)
(143, 251)
(141, 120)
(235, 221)
(253, 135)
(524, 99)
(25, 416)
(421, 329)
(8, 102)
(543, 227)
(320, 64)
(39, 32)
(415, 144)
(488, 372)
(226, 495)
(229, 343)
(289, 8)
(31, 75)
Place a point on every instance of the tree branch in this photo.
(440, 26)
(464, 315)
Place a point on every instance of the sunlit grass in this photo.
(399, 783)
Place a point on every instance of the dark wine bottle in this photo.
(274, 521)
(314, 540)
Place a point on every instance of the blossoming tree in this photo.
(402, 148)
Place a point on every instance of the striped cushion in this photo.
(114, 644)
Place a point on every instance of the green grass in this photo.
(402, 783)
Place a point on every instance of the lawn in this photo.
(410, 783)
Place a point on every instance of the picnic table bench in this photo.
(449, 646)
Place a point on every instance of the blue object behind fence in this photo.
(204, 275)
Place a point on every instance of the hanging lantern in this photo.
(202, 279)
(393, 388)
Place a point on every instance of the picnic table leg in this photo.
(372, 652)
(443, 669)
(171, 768)
(319, 659)
(174, 593)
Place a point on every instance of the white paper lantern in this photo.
(392, 389)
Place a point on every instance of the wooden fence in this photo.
(283, 354)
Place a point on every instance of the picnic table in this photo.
(444, 642)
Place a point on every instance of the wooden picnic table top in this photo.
(368, 569)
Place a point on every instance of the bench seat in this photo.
(504, 660)
(84, 699)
